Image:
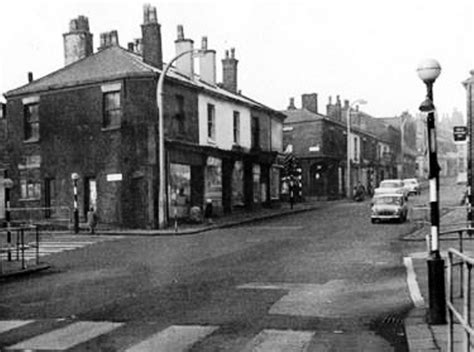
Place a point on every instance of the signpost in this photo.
(460, 133)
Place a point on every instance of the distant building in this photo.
(319, 141)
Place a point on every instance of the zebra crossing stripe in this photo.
(7, 325)
(67, 337)
(280, 341)
(176, 338)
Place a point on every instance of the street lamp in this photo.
(75, 178)
(428, 71)
(8, 184)
(161, 139)
(348, 118)
(403, 121)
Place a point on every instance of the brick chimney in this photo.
(108, 39)
(310, 102)
(291, 106)
(185, 64)
(151, 38)
(207, 63)
(78, 41)
(330, 109)
(229, 71)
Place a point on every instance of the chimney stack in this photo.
(108, 39)
(151, 38)
(78, 41)
(131, 46)
(310, 102)
(185, 64)
(30, 77)
(229, 71)
(292, 104)
(207, 63)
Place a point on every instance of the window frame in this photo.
(211, 121)
(109, 121)
(31, 121)
(236, 129)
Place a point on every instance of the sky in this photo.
(364, 49)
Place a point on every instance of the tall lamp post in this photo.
(75, 178)
(428, 71)
(403, 121)
(348, 118)
(161, 138)
(8, 184)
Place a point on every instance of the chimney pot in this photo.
(30, 77)
(180, 32)
(232, 53)
(131, 46)
(292, 104)
(204, 43)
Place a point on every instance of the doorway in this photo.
(90, 195)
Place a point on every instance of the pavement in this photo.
(421, 335)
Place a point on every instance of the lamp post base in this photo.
(436, 287)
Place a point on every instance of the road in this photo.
(325, 280)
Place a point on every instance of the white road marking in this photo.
(176, 338)
(280, 341)
(67, 337)
(7, 325)
(413, 287)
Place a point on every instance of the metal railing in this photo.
(37, 215)
(15, 241)
(464, 318)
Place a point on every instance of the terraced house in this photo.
(98, 117)
(319, 142)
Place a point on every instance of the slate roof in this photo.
(116, 62)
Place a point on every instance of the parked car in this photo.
(389, 206)
(392, 186)
(412, 186)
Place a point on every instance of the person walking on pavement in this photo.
(91, 220)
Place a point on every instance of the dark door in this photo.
(48, 196)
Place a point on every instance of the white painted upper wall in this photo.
(224, 112)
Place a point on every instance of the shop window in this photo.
(112, 114)
(256, 183)
(31, 121)
(30, 190)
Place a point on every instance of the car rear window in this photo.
(387, 200)
(390, 184)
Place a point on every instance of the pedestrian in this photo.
(208, 211)
(91, 220)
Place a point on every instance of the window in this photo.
(211, 121)
(30, 189)
(180, 113)
(255, 132)
(31, 121)
(3, 109)
(236, 127)
(112, 109)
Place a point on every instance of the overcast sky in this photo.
(356, 49)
